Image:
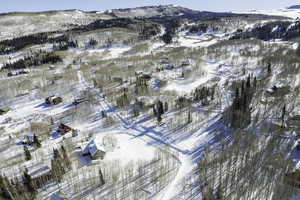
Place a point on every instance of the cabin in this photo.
(4, 110)
(64, 129)
(53, 100)
(94, 149)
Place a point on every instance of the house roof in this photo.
(93, 147)
(25, 137)
(5, 109)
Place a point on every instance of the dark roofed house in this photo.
(53, 100)
(146, 77)
(64, 129)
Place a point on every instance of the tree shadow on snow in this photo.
(43, 105)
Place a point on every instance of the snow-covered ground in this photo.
(290, 13)
(138, 140)
(20, 24)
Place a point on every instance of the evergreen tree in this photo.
(208, 194)
(212, 94)
(166, 107)
(154, 111)
(248, 83)
(28, 181)
(160, 107)
(283, 115)
(27, 153)
(66, 158)
(159, 119)
(219, 193)
(57, 170)
(56, 154)
(269, 68)
(36, 141)
(189, 117)
(254, 82)
(102, 181)
(103, 114)
(5, 187)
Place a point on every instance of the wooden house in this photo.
(53, 100)
(94, 149)
(4, 110)
(64, 129)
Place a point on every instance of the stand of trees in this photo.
(240, 110)
(36, 59)
(16, 44)
(204, 94)
(26, 188)
(141, 86)
(123, 99)
(249, 167)
(65, 45)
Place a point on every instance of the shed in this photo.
(94, 149)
